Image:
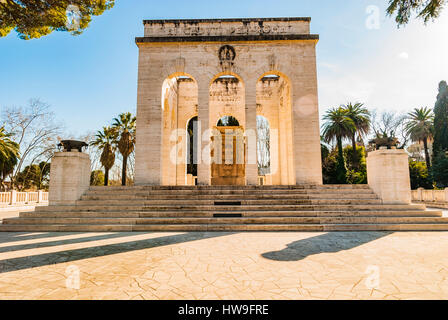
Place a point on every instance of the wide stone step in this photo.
(220, 188)
(234, 192)
(217, 202)
(207, 208)
(235, 220)
(287, 196)
(260, 213)
(222, 227)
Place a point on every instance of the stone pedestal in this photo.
(69, 177)
(388, 175)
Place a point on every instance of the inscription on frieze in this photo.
(190, 29)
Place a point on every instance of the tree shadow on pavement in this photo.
(325, 243)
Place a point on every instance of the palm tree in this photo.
(361, 119)
(338, 126)
(125, 126)
(420, 128)
(9, 155)
(105, 141)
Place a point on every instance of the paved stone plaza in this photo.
(365, 265)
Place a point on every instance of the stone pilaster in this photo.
(306, 130)
(148, 150)
(251, 132)
(204, 136)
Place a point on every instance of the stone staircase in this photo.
(229, 208)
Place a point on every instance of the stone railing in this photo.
(436, 197)
(15, 197)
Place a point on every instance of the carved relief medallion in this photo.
(227, 55)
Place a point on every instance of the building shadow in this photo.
(325, 243)
(22, 236)
(56, 243)
(27, 262)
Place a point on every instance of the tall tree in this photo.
(105, 141)
(361, 120)
(34, 176)
(35, 130)
(440, 144)
(125, 127)
(34, 19)
(420, 128)
(338, 126)
(9, 155)
(424, 9)
(390, 126)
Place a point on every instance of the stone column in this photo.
(251, 132)
(69, 177)
(388, 175)
(446, 194)
(204, 137)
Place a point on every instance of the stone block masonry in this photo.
(69, 177)
(388, 175)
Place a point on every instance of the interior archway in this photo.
(228, 121)
(263, 146)
(179, 102)
(274, 105)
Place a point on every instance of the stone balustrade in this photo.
(14, 197)
(437, 198)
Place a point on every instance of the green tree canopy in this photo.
(36, 18)
(97, 178)
(361, 119)
(356, 165)
(441, 120)
(125, 126)
(420, 128)
(424, 9)
(34, 176)
(419, 175)
(338, 126)
(9, 155)
(105, 140)
(439, 171)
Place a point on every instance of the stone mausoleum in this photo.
(257, 71)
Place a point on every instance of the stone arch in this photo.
(227, 118)
(227, 97)
(179, 95)
(265, 73)
(274, 102)
(226, 73)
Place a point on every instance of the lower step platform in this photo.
(228, 209)
(224, 228)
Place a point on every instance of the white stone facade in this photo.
(237, 67)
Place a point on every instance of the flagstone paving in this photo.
(359, 265)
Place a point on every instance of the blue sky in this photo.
(89, 79)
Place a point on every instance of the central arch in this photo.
(227, 117)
